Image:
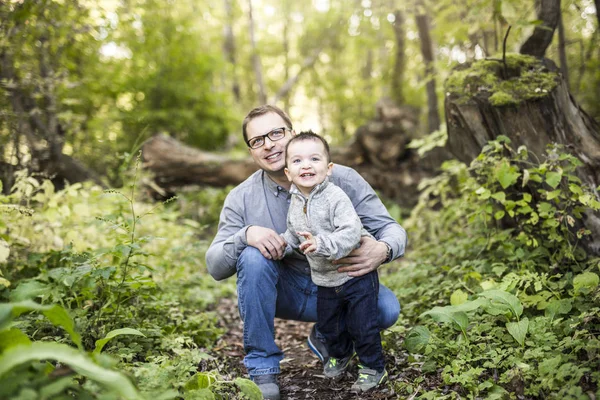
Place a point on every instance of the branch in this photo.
(289, 84)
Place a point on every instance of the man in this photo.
(248, 243)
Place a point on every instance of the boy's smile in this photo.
(307, 164)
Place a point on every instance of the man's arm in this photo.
(230, 241)
(376, 220)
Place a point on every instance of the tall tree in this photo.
(399, 59)
(433, 114)
(262, 95)
(229, 49)
(548, 12)
(562, 52)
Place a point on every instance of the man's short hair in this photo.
(308, 135)
(262, 110)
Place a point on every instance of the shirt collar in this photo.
(319, 188)
(272, 186)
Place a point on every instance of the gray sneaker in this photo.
(335, 367)
(268, 386)
(317, 346)
(368, 379)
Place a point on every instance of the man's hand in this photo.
(267, 241)
(368, 257)
(310, 243)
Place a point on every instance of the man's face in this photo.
(270, 156)
(307, 164)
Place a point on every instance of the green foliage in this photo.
(499, 257)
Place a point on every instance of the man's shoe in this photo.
(317, 346)
(268, 386)
(368, 379)
(335, 367)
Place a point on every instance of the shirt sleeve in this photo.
(230, 241)
(372, 213)
(347, 229)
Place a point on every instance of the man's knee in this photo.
(253, 265)
(389, 308)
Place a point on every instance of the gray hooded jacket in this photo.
(329, 215)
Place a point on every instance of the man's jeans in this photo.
(267, 289)
(348, 320)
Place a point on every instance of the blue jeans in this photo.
(348, 318)
(268, 289)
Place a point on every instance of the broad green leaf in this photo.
(470, 305)
(458, 297)
(555, 307)
(518, 330)
(28, 290)
(506, 174)
(57, 387)
(553, 194)
(553, 179)
(508, 299)
(585, 282)
(59, 316)
(201, 380)
(416, 339)
(11, 338)
(77, 360)
(114, 333)
(10, 311)
(499, 214)
(199, 394)
(248, 388)
(458, 319)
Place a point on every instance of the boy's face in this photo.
(270, 157)
(307, 164)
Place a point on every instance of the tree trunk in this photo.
(534, 123)
(399, 61)
(562, 51)
(548, 12)
(433, 115)
(229, 50)
(262, 95)
(597, 3)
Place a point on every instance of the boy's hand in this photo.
(270, 244)
(310, 244)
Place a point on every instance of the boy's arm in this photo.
(347, 232)
(292, 241)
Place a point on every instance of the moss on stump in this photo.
(524, 78)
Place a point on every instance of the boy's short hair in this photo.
(308, 135)
(262, 110)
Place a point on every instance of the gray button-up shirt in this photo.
(260, 201)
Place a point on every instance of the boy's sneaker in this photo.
(317, 346)
(368, 379)
(268, 385)
(335, 367)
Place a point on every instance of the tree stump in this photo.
(526, 100)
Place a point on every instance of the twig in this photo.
(415, 393)
(505, 74)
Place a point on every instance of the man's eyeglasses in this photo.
(274, 135)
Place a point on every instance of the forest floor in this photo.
(301, 372)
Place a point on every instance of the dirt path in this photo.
(301, 372)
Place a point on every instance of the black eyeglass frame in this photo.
(263, 137)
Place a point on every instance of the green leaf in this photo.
(553, 194)
(10, 311)
(504, 298)
(59, 316)
(114, 333)
(11, 338)
(458, 297)
(458, 319)
(562, 306)
(553, 179)
(585, 282)
(416, 339)
(248, 388)
(518, 330)
(77, 360)
(28, 290)
(500, 196)
(506, 174)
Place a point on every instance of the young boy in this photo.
(323, 224)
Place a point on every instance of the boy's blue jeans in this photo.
(347, 318)
(267, 289)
